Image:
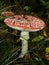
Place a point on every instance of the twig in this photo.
(7, 7)
(19, 6)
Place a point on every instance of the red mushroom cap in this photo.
(7, 14)
(28, 23)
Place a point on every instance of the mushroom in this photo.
(25, 24)
(7, 14)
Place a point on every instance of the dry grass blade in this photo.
(13, 50)
(12, 61)
(7, 8)
(11, 57)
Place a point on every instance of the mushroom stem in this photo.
(24, 37)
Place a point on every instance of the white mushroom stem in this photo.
(24, 36)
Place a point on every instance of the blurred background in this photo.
(10, 45)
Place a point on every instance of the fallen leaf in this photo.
(47, 50)
(47, 53)
(38, 38)
(45, 33)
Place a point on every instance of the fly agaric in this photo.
(25, 24)
(7, 14)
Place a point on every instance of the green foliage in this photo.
(1, 3)
(38, 38)
(46, 6)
